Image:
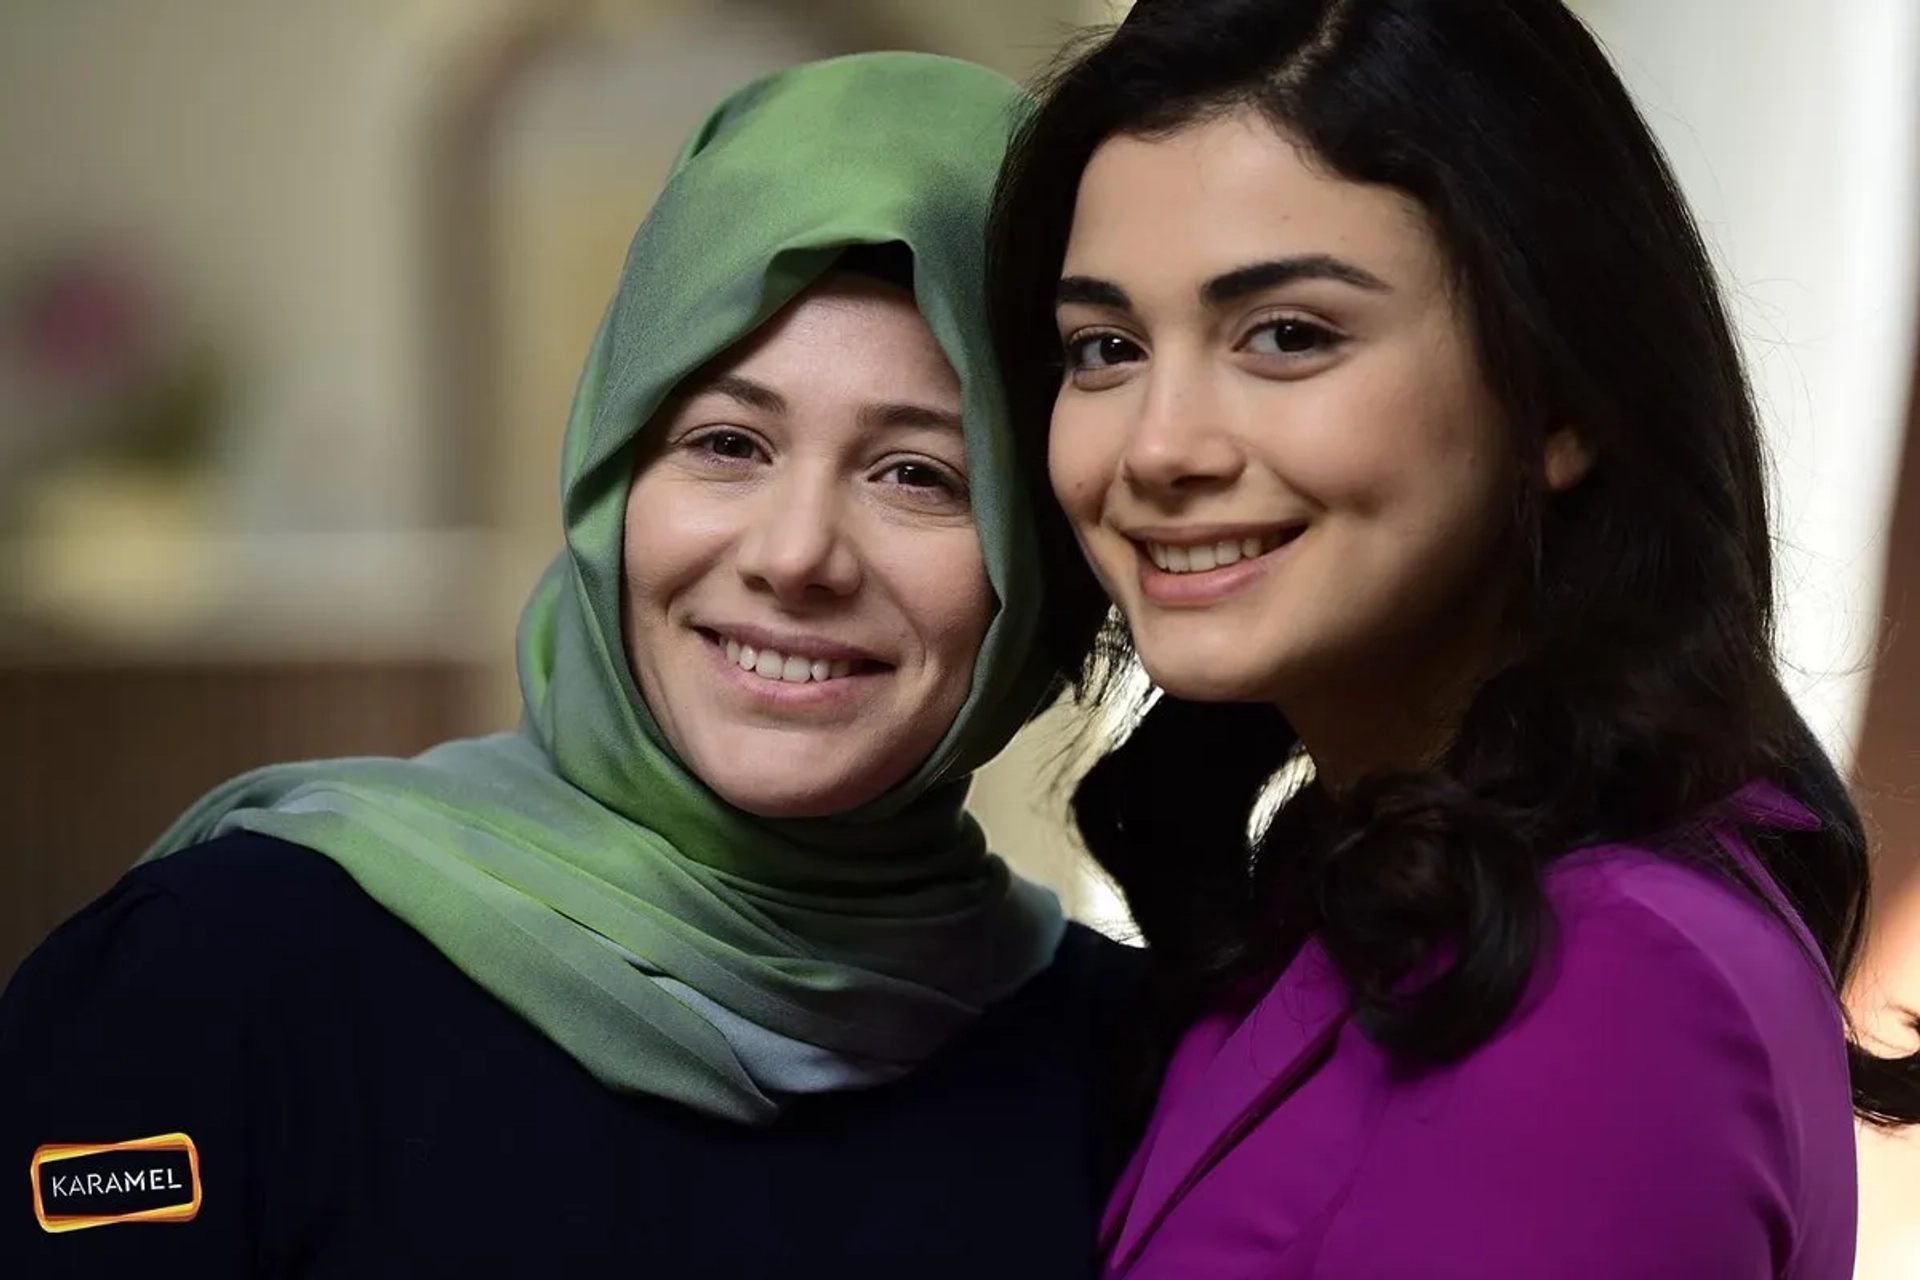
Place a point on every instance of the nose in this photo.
(796, 546)
(1180, 443)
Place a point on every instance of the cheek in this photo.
(1079, 462)
(642, 562)
(944, 587)
(670, 534)
(643, 589)
(1449, 472)
(1425, 505)
(1400, 450)
(972, 607)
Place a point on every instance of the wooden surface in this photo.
(97, 757)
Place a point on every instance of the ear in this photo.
(1567, 460)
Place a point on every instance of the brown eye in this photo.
(735, 446)
(1095, 351)
(1290, 337)
(925, 480)
(918, 475)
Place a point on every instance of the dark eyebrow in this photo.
(758, 395)
(879, 416)
(1232, 285)
(1091, 292)
(1238, 283)
(755, 395)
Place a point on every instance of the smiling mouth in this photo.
(789, 668)
(1201, 557)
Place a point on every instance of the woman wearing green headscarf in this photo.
(705, 970)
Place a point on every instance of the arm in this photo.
(123, 1026)
(1628, 1122)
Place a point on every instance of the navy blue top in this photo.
(359, 1108)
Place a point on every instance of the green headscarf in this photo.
(672, 944)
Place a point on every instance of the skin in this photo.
(1259, 350)
(807, 493)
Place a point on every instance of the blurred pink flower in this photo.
(88, 320)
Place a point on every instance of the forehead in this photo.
(1215, 195)
(845, 331)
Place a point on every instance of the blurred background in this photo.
(293, 294)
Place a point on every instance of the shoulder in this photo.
(210, 922)
(1673, 1023)
(244, 874)
(1073, 1023)
(1095, 966)
(1080, 1003)
(261, 890)
(157, 1010)
(1074, 1043)
(1678, 932)
(1677, 1062)
(1092, 995)
(1661, 965)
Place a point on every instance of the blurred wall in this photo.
(274, 586)
(1887, 776)
(260, 155)
(1794, 132)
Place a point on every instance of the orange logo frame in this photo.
(55, 1152)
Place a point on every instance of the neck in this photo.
(1352, 733)
(1395, 711)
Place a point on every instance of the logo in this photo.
(147, 1180)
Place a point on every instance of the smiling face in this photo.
(1273, 438)
(805, 592)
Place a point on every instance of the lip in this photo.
(790, 643)
(786, 695)
(1209, 586)
(1193, 535)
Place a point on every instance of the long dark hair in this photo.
(1645, 690)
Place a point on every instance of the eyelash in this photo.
(702, 443)
(1082, 341)
(941, 478)
(1322, 339)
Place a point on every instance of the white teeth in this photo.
(771, 665)
(1169, 558)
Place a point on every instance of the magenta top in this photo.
(1669, 1102)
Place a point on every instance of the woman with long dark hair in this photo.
(1387, 391)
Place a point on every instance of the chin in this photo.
(1201, 685)
(1195, 676)
(799, 798)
